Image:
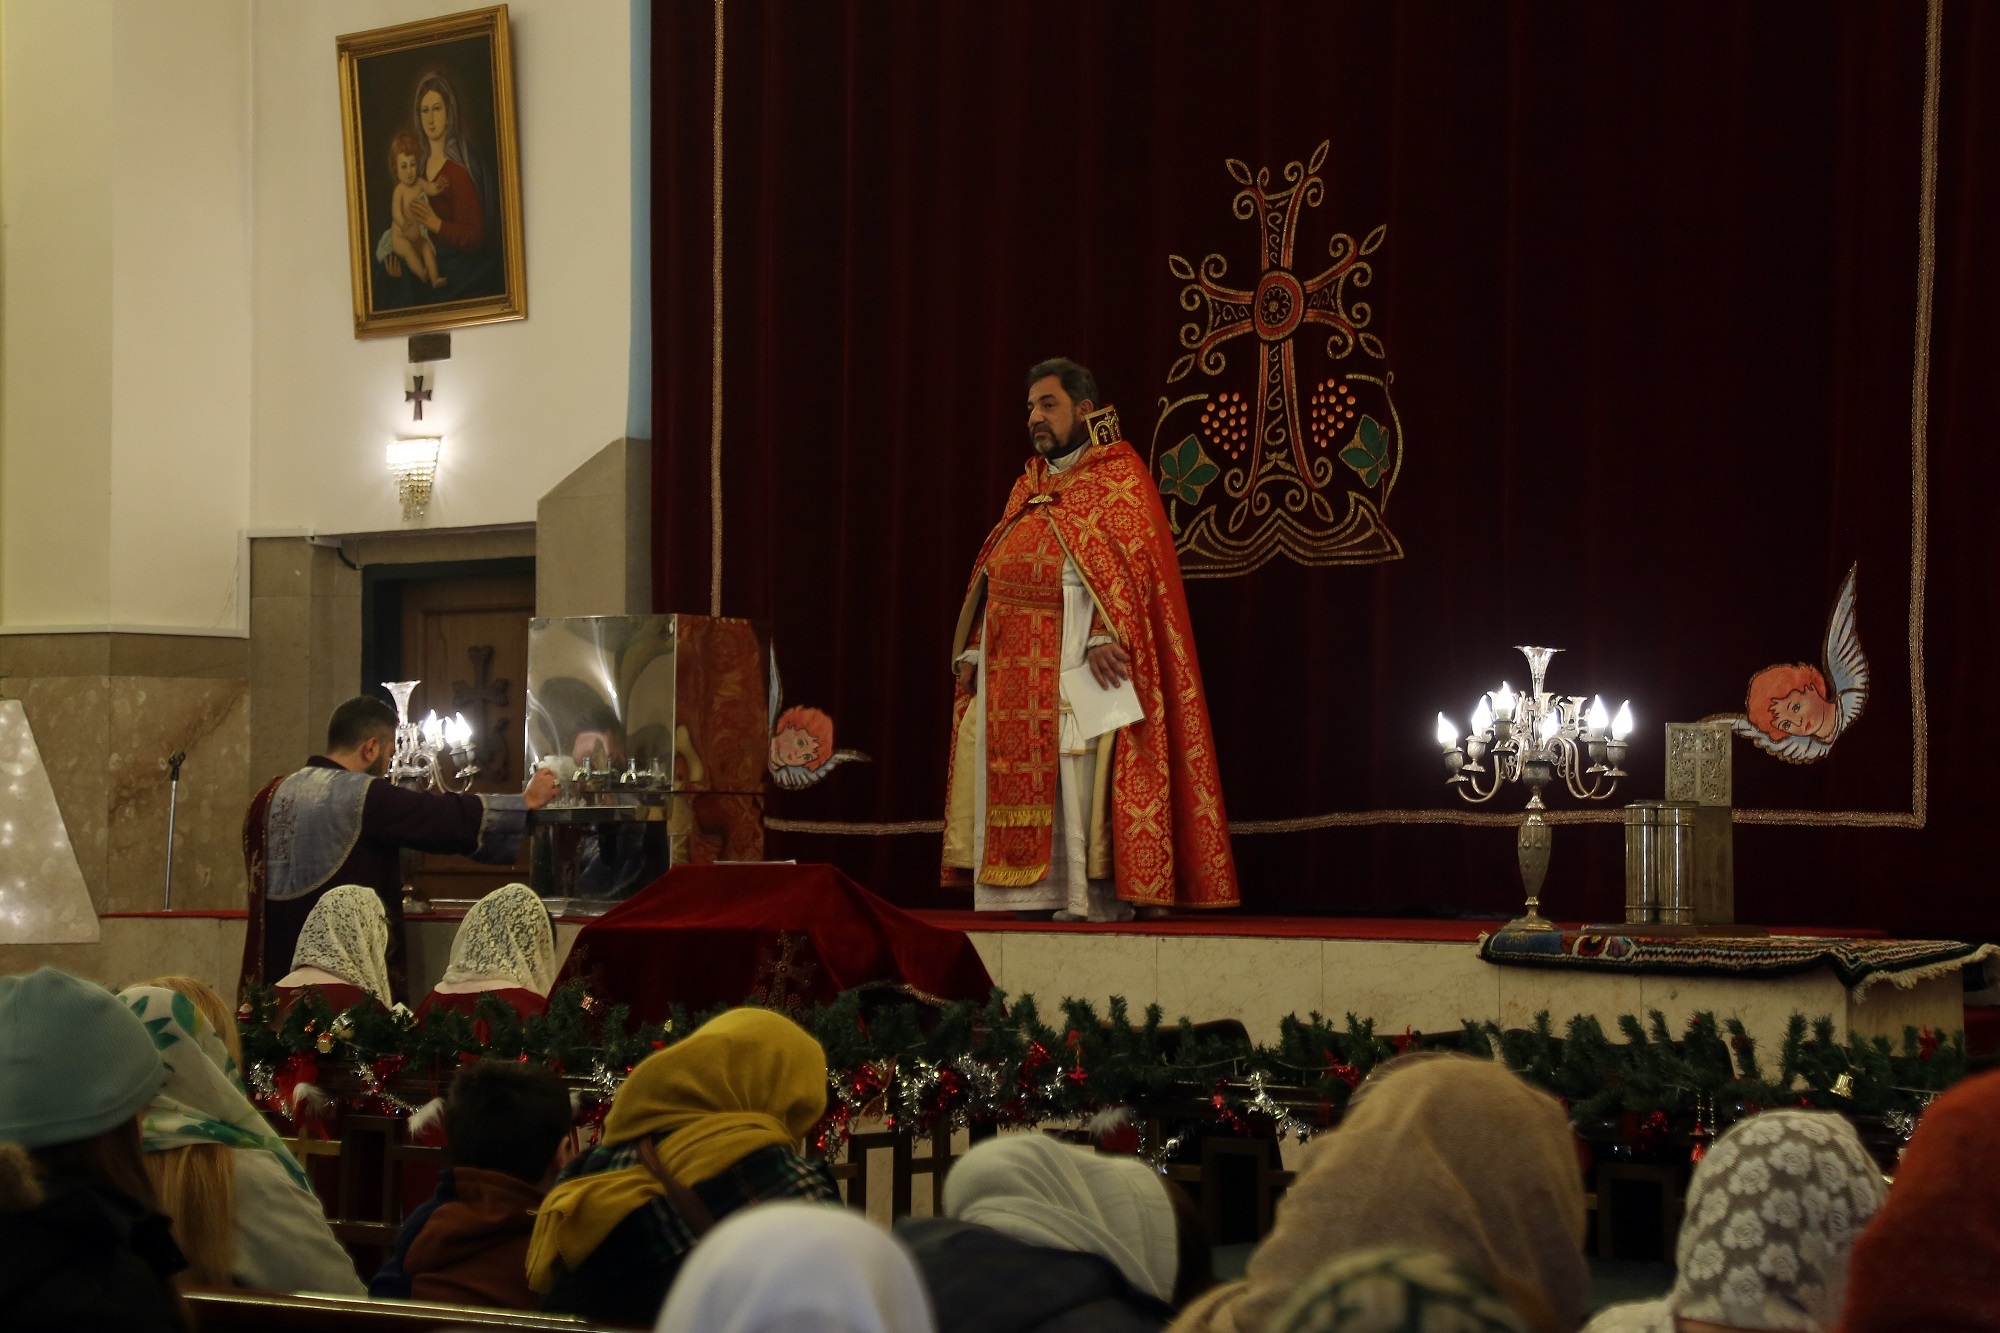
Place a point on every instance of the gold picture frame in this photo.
(433, 174)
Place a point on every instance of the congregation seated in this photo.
(1772, 1212)
(132, 1163)
(342, 954)
(507, 1127)
(1438, 1152)
(798, 1268)
(709, 1126)
(83, 1244)
(1045, 1237)
(243, 1211)
(506, 948)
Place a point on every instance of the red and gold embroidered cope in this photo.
(1170, 837)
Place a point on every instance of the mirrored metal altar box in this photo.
(659, 729)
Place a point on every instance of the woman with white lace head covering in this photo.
(505, 947)
(1772, 1212)
(343, 950)
(792, 1267)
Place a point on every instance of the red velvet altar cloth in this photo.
(781, 935)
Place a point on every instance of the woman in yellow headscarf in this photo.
(698, 1131)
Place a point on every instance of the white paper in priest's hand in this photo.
(1097, 709)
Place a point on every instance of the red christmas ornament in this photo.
(1927, 1044)
(1406, 1041)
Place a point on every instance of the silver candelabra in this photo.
(422, 747)
(1537, 738)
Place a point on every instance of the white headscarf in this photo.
(506, 936)
(797, 1268)
(1772, 1213)
(347, 934)
(203, 1100)
(1071, 1198)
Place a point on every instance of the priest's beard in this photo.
(1048, 446)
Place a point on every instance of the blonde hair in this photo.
(197, 1190)
(197, 1184)
(212, 1006)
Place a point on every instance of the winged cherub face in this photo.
(1806, 712)
(793, 747)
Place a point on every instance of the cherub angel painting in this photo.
(1795, 710)
(802, 750)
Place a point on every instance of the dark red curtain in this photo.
(1649, 291)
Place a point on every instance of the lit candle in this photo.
(1596, 720)
(1482, 717)
(1621, 726)
(1548, 726)
(1503, 703)
(1447, 733)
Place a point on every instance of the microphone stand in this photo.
(174, 762)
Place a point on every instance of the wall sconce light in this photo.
(414, 465)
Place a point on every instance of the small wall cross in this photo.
(419, 396)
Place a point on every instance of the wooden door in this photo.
(466, 640)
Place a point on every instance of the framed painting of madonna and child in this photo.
(433, 174)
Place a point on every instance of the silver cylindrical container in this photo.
(1642, 862)
(1676, 874)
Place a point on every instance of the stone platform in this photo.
(1424, 975)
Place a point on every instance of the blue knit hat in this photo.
(74, 1061)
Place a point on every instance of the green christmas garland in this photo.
(926, 1068)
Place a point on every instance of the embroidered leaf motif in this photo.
(183, 1011)
(1186, 471)
(1368, 454)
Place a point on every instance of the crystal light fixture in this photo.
(1536, 738)
(422, 747)
(414, 463)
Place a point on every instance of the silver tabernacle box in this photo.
(659, 729)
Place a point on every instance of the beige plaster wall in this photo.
(519, 404)
(125, 426)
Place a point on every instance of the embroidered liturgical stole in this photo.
(1023, 652)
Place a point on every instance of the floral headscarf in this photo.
(1393, 1289)
(347, 934)
(203, 1100)
(506, 936)
(1772, 1212)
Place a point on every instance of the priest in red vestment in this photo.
(338, 821)
(1078, 589)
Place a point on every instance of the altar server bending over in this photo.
(1076, 595)
(336, 821)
